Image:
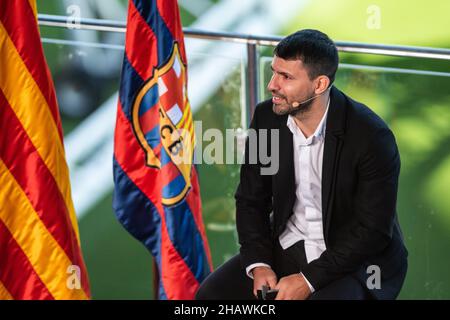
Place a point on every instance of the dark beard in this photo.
(303, 108)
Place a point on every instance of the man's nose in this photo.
(272, 85)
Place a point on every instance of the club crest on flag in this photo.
(162, 123)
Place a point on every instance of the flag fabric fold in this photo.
(157, 195)
(40, 254)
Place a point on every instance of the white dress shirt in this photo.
(306, 221)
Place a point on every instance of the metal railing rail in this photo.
(252, 42)
(344, 46)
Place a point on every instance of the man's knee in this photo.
(208, 289)
(229, 281)
(347, 288)
(202, 292)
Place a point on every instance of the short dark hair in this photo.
(314, 48)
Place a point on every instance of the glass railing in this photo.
(227, 76)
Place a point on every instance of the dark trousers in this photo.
(230, 281)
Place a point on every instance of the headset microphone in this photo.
(296, 104)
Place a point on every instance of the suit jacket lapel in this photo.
(335, 126)
(286, 172)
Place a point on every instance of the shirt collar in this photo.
(318, 133)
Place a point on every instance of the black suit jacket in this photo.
(361, 166)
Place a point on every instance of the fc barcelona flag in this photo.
(157, 196)
(40, 256)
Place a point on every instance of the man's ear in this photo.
(322, 84)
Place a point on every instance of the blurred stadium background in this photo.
(411, 94)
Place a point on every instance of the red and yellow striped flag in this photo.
(40, 255)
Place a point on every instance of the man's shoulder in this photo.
(363, 119)
(265, 109)
(266, 118)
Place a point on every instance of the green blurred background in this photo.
(411, 94)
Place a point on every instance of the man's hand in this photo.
(263, 276)
(293, 287)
